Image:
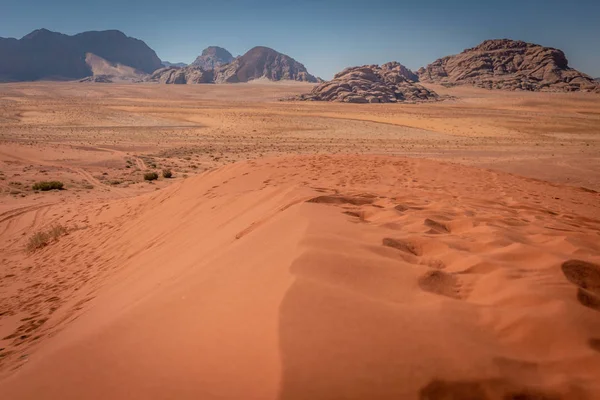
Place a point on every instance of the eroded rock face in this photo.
(389, 83)
(97, 79)
(213, 57)
(509, 65)
(188, 75)
(263, 62)
(43, 54)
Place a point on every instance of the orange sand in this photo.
(309, 277)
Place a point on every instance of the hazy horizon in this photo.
(326, 36)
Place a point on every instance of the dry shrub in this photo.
(43, 238)
(45, 186)
(150, 176)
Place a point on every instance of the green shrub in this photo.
(150, 176)
(45, 186)
(167, 173)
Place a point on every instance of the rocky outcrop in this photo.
(263, 62)
(50, 55)
(389, 83)
(97, 79)
(106, 71)
(213, 57)
(181, 76)
(509, 65)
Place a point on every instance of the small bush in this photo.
(45, 186)
(167, 173)
(43, 238)
(150, 176)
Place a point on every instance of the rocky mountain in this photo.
(262, 62)
(389, 83)
(43, 54)
(510, 65)
(258, 63)
(188, 75)
(169, 64)
(213, 57)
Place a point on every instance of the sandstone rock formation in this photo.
(51, 55)
(258, 63)
(97, 79)
(510, 65)
(188, 75)
(389, 83)
(213, 57)
(106, 72)
(263, 62)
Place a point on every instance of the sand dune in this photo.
(309, 277)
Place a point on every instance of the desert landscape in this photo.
(339, 247)
(239, 228)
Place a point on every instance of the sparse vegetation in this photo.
(45, 186)
(167, 173)
(43, 238)
(150, 176)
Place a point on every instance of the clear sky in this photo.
(325, 35)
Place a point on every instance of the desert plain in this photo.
(300, 250)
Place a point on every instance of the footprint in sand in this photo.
(586, 276)
(442, 283)
(339, 199)
(436, 227)
(489, 389)
(406, 246)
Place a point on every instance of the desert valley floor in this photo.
(301, 250)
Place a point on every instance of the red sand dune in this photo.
(314, 277)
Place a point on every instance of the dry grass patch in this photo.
(43, 238)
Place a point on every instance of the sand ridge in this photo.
(318, 277)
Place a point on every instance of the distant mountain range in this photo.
(217, 65)
(178, 65)
(111, 56)
(51, 55)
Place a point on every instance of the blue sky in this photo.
(326, 36)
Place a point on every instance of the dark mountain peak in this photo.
(263, 62)
(261, 49)
(217, 52)
(41, 34)
(106, 34)
(44, 54)
(213, 57)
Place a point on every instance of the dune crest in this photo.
(310, 277)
